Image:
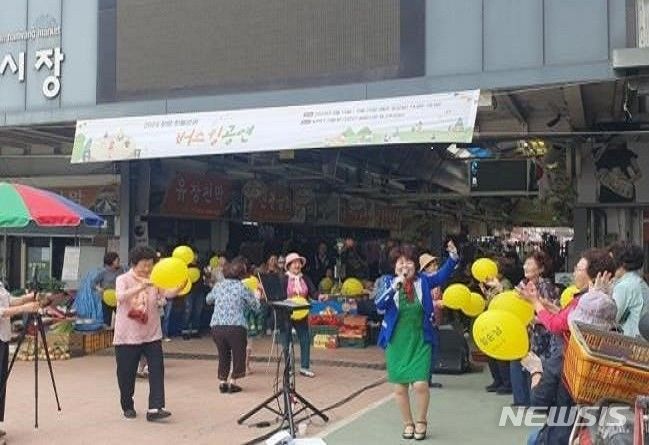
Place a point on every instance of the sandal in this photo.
(408, 431)
(421, 435)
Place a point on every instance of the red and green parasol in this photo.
(21, 205)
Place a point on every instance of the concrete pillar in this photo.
(581, 240)
(220, 233)
(125, 210)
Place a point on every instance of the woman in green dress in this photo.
(408, 332)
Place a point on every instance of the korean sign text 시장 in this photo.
(49, 59)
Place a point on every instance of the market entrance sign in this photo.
(431, 118)
(49, 59)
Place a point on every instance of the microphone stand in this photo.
(287, 395)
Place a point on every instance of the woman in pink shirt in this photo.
(138, 333)
(594, 266)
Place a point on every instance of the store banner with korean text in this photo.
(430, 118)
(272, 203)
(194, 195)
(103, 200)
(356, 212)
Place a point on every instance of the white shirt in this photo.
(5, 322)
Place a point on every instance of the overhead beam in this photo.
(575, 103)
(514, 109)
(46, 135)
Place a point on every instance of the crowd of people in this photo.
(612, 295)
(407, 296)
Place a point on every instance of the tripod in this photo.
(287, 393)
(37, 321)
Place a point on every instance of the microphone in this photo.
(400, 285)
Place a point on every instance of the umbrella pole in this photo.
(5, 259)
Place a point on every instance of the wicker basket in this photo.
(600, 364)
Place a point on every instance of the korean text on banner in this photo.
(431, 118)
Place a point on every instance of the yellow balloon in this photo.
(456, 296)
(501, 335)
(352, 287)
(484, 269)
(214, 262)
(194, 274)
(110, 297)
(475, 306)
(511, 302)
(252, 283)
(302, 313)
(169, 273)
(184, 253)
(326, 284)
(567, 295)
(186, 289)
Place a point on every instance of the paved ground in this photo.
(371, 357)
(460, 413)
(201, 415)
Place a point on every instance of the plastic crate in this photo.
(323, 330)
(352, 342)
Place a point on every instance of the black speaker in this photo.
(453, 352)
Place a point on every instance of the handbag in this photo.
(139, 315)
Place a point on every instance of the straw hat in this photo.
(294, 257)
(425, 260)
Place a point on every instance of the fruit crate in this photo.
(323, 330)
(352, 342)
(91, 342)
(323, 341)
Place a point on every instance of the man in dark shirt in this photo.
(106, 280)
(321, 262)
(355, 266)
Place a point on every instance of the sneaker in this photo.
(492, 388)
(166, 339)
(307, 373)
(158, 414)
(130, 414)
(436, 385)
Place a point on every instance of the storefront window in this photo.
(39, 257)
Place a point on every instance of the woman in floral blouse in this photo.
(537, 268)
(231, 300)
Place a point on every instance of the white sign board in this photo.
(431, 118)
(71, 264)
(78, 261)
